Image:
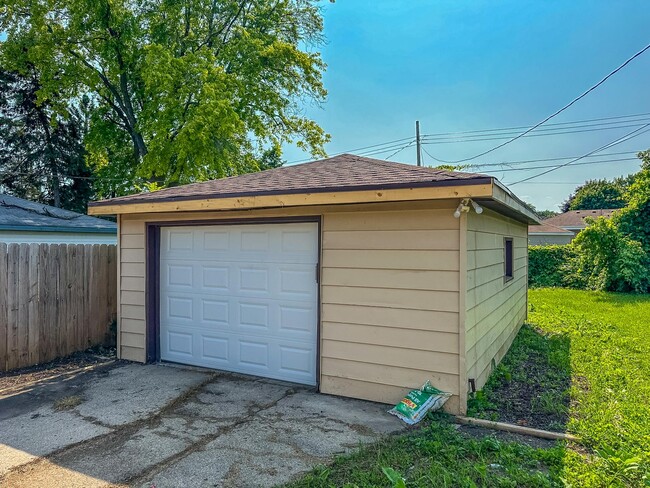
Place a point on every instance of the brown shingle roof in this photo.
(346, 172)
(545, 228)
(575, 218)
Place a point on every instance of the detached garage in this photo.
(361, 277)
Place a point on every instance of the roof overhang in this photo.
(486, 190)
(507, 203)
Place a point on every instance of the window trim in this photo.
(508, 277)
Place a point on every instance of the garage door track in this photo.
(163, 426)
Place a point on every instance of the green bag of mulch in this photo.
(417, 403)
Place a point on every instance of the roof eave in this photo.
(146, 197)
(507, 203)
(471, 188)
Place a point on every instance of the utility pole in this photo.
(417, 140)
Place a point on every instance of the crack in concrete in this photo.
(111, 439)
(203, 441)
(196, 441)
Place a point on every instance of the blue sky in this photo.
(474, 65)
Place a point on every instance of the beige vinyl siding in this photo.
(390, 303)
(389, 293)
(131, 290)
(495, 308)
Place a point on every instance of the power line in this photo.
(543, 134)
(525, 161)
(354, 150)
(381, 150)
(626, 137)
(401, 149)
(506, 169)
(573, 125)
(556, 183)
(557, 112)
(555, 124)
(487, 134)
(554, 165)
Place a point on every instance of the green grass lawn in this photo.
(608, 339)
(582, 366)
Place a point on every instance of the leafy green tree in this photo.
(634, 220)
(598, 194)
(183, 91)
(543, 214)
(42, 157)
(546, 214)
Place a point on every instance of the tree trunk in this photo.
(139, 145)
(56, 193)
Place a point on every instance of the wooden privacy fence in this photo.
(55, 299)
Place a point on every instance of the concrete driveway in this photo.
(164, 426)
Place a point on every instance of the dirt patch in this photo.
(531, 385)
(68, 364)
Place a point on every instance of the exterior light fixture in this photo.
(464, 207)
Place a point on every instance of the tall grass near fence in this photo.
(54, 300)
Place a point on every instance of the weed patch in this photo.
(68, 403)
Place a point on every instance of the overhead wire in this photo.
(557, 112)
(526, 161)
(626, 137)
(401, 149)
(541, 134)
(558, 128)
(554, 124)
(554, 165)
(357, 149)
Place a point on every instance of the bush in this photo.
(606, 259)
(548, 265)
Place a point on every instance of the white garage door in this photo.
(241, 298)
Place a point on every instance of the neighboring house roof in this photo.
(548, 229)
(340, 179)
(19, 214)
(574, 219)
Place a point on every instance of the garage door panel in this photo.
(180, 343)
(254, 279)
(295, 282)
(298, 242)
(180, 308)
(215, 240)
(254, 315)
(296, 319)
(215, 311)
(215, 277)
(296, 359)
(241, 298)
(289, 318)
(215, 349)
(246, 354)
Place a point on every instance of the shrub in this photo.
(548, 265)
(606, 259)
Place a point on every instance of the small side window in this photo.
(509, 259)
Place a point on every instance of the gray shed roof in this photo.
(19, 214)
